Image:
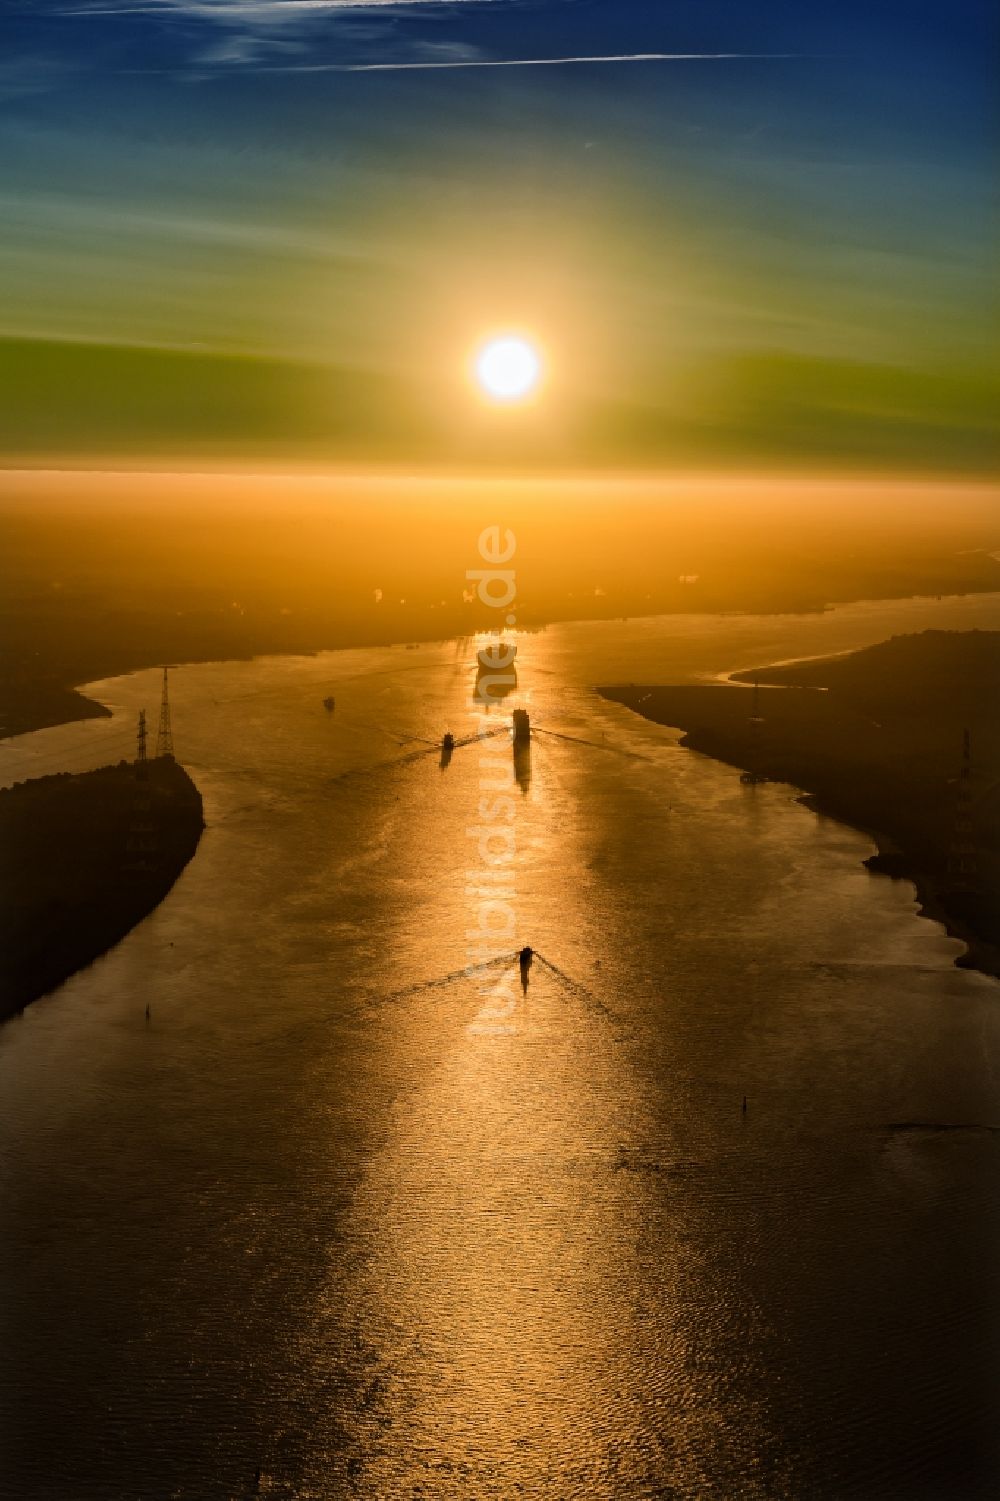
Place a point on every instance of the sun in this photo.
(508, 368)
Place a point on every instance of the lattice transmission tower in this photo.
(141, 763)
(164, 734)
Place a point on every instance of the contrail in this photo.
(544, 62)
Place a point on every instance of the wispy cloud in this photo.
(246, 34)
(251, 29)
(233, 12)
(34, 74)
(70, 217)
(548, 62)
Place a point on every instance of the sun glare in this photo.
(508, 368)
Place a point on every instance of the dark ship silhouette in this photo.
(492, 682)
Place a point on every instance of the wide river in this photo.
(322, 1215)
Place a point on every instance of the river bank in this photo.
(85, 858)
(57, 640)
(875, 739)
(252, 1193)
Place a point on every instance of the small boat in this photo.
(753, 778)
(329, 704)
(524, 960)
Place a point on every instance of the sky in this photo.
(742, 233)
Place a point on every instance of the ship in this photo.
(522, 727)
(329, 704)
(496, 674)
(492, 683)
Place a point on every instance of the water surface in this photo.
(320, 1216)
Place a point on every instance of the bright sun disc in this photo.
(507, 368)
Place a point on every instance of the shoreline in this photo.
(893, 864)
(891, 859)
(59, 706)
(28, 707)
(88, 856)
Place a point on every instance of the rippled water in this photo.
(318, 1216)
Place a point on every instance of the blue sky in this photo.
(785, 202)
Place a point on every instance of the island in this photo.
(900, 740)
(84, 858)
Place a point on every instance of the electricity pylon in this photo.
(164, 735)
